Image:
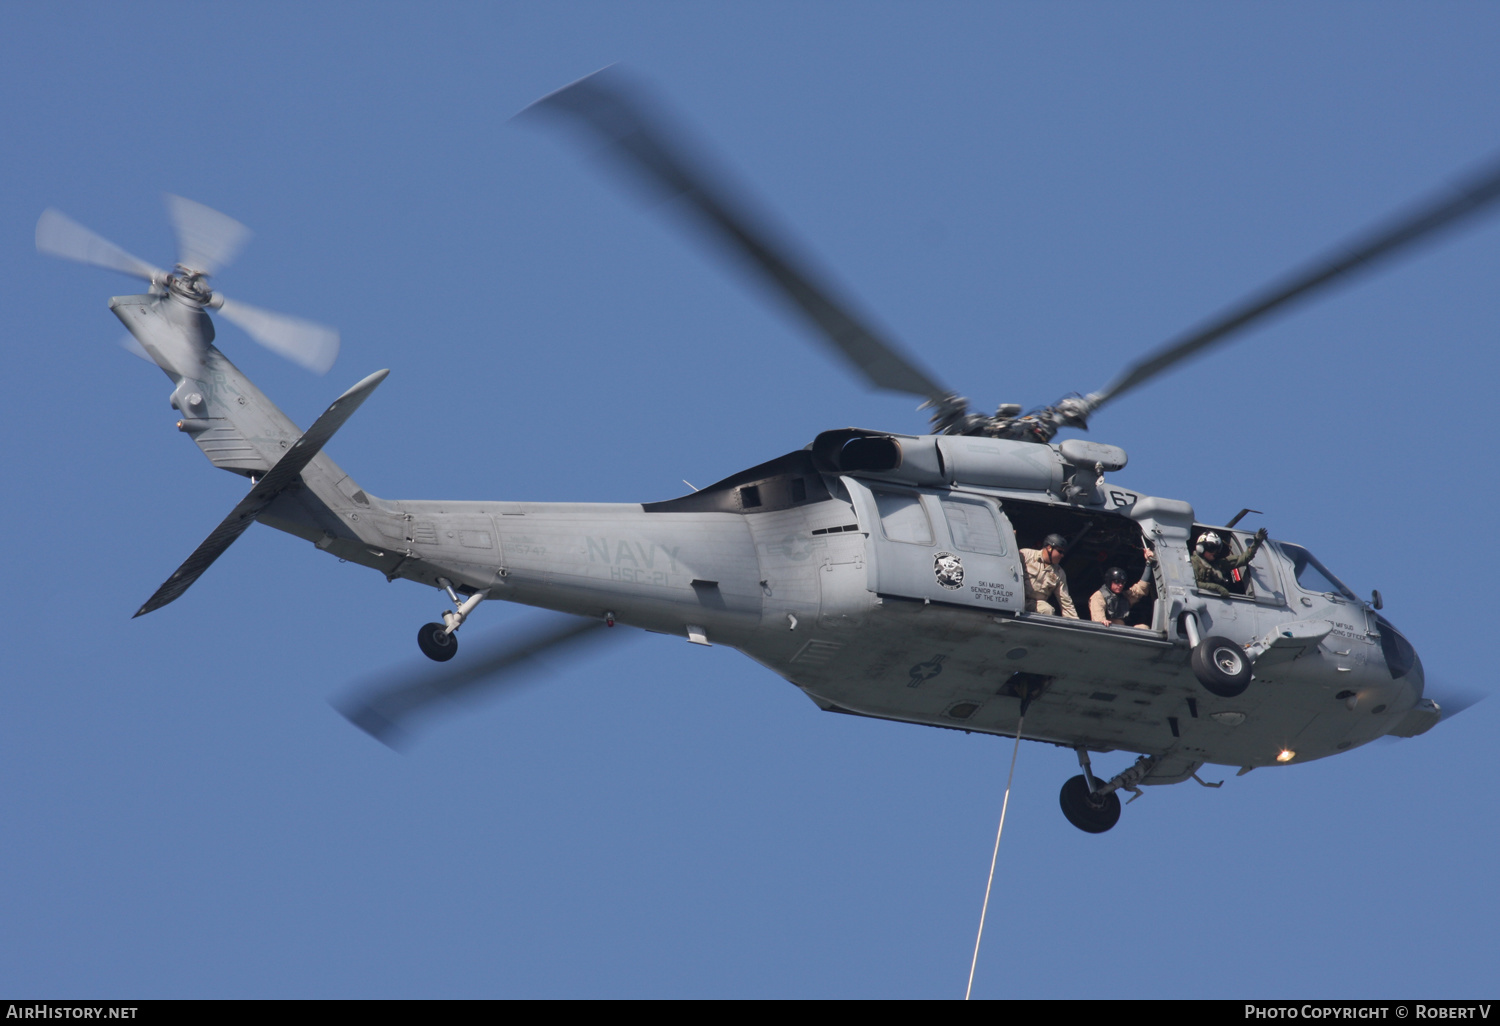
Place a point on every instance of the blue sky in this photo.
(1027, 195)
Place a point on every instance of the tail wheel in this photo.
(1221, 666)
(436, 643)
(1087, 811)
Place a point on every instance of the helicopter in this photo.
(884, 574)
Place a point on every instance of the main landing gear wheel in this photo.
(1087, 811)
(436, 643)
(1221, 667)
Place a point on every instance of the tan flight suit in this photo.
(1046, 587)
(1132, 594)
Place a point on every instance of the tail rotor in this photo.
(314, 346)
(59, 235)
(207, 241)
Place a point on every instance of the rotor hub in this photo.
(1039, 425)
(190, 285)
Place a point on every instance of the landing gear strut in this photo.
(437, 640)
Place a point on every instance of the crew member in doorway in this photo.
(1211, 567)
(1046, 586)
(1111, 603)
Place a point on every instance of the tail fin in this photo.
(229, 419)
(235, 425)
(286, 472)
(242, 431)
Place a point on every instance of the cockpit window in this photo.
(1400, 657)
(1312, 575)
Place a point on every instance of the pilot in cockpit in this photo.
(1211, 566)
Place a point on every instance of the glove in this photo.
(1260, 536)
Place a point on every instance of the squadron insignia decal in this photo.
(949, 570)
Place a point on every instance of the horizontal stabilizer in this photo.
(286, 471)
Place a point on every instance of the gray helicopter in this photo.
(884, 574)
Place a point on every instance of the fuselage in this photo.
(831, 579)
(882, 574)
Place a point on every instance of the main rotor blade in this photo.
(1466, 199)
(59, 235)
(642, 139)
(385, 711)
(206, 239)
(314, 346)
(1451, 698)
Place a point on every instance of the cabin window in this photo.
(749, 496)
(1259, 579)
(1264, 581)
(973, 527)
(902, 518)
(1240, 580)
(1312, 575)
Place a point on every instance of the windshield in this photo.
(1312, 575)
(1400, 657)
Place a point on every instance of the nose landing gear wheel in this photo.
(435, 643)
(1221, 667)
(1087, 811)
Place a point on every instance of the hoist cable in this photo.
(995, 856)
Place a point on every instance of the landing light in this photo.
(1286, 755)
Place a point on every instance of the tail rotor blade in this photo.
(314, 346)
(60, 236)
(132, 345)
(206, 239)
(385, 711)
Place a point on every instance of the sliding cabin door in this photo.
(942, 547)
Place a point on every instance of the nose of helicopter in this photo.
(1406, 670)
